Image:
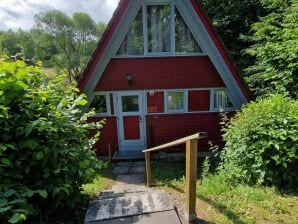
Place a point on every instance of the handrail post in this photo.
(191, 179)
(148, 169)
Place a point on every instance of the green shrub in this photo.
(262, 142)
(45, 154)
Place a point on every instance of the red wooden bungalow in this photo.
(158, 74)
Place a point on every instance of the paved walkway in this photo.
(130, 176)
(130, 201)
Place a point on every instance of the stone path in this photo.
(130, 176)
(130, 201)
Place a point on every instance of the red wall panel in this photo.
(131, 126)
(112, 103)
(165, 128)
(159, 73)
(155, 103)
(108, 134)
(199, 100)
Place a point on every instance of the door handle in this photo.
(141, 119)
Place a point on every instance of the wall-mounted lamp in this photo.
(129, 79)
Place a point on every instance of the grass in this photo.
(219, 202)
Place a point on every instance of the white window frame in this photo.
(212, 101)
(185, 103)
(108, 103)
(172, 52)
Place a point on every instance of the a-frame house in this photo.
(158, 74)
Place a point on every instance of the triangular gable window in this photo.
(160, 24)
(133, 42)
(159, 28)
(185, 41)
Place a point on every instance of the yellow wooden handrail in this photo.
(191, 169)
(180, 141)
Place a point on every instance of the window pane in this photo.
(130, 103)
(133, 42)
(185, 41)
(175, 100)
(99, 103)
(159, 28)
(221, 100)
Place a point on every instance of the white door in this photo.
(131, 124)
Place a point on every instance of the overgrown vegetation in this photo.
(104, 180)
(261, 36)
(45, 152)
(261, 143)
(219, 201)
(275, 47)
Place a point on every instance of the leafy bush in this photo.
(261, 143)
(45, 154)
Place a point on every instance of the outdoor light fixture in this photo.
(129, 79)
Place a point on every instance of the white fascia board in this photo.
(114, 44)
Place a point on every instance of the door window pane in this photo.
(99, 103)
(175, 101)
(159, 28)
(133, 42)
(130, 103)
(185, 41)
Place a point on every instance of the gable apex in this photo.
(197, 22)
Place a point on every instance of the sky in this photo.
(16, 14)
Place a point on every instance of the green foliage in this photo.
(57, 39)
(75, 39)
(233, 20)
(45, 152)
(261, 143)
(275, 48)
(242, 203)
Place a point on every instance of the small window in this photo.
(99, 103)
(176, 101)
(130, 103)
(221, 100)
(133, 42)
(185, 41)
(159, 28)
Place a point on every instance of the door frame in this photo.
(127, 145)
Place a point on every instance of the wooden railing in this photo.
(191, 169)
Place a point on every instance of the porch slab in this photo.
(129, 155)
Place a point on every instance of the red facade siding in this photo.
(199, 100)
(165, 128)
(112, 104)
(108, 135)
(155, 103)
(159, 73)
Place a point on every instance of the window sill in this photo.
(160, 55)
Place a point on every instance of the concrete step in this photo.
(111, 207)
(165, 217)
